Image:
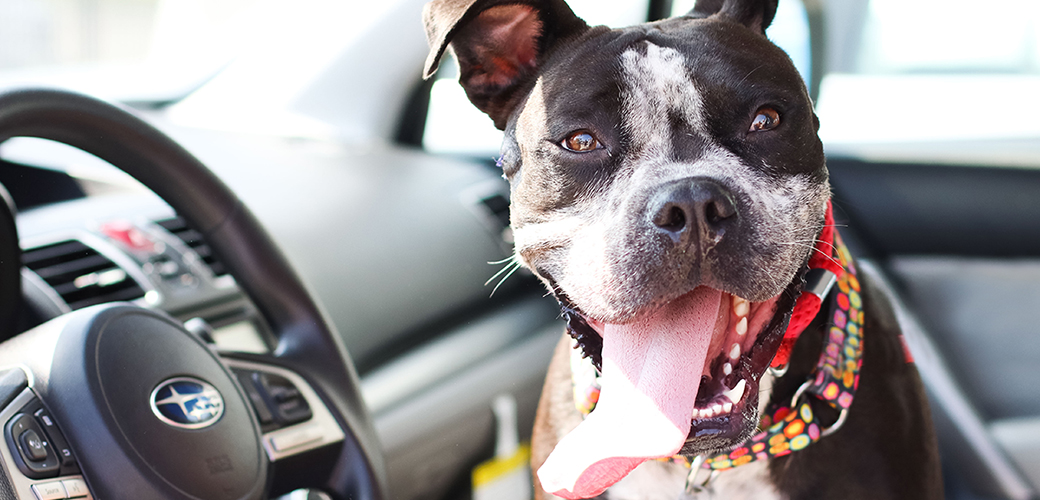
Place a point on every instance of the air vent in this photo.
(498, 205)
(179, 227)
(489, 201)
(80, 275)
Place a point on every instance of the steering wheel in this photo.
(148, 409)
(10, 266)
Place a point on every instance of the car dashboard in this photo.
(395, 244)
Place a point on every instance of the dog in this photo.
(669, 188)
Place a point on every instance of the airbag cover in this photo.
(127, 353)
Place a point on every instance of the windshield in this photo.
(950, 36)
(920, 60)
(130, 50)
(281, 66)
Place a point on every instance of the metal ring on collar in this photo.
(824, 431)
(799, 392)
(692, 485)
(836, 425)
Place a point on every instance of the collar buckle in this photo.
(819, 282)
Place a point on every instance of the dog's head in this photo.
(661, 175)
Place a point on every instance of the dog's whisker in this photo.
(511, 265)
(512, 269)
(812, 246)
(511, 258)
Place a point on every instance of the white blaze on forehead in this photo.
(532, 124)
(655, 85)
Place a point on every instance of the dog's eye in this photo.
(581, 141)
(765, 119)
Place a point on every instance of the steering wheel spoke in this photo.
(298, 429)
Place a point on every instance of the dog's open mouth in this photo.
(707, 339)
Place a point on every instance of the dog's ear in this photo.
(499, 45)
(755, 14)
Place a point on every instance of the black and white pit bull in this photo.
(669, 188)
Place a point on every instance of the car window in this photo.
(141, 50)
(454, 126)
(950, 36)
(922, 60)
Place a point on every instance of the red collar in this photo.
(824, 269)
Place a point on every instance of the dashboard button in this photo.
(285, 401)
(32, 445)
(52, 490)
(26, 440)
(76, 488)
(263, 413)
(288, 439)
(57, 439)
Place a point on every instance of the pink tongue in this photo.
(651, 372)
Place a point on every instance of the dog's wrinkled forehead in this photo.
(675, 91)
(678, 73)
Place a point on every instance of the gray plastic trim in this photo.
(1020, 437)
(422, 369)
(434, 434)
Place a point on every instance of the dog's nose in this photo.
(693, 209)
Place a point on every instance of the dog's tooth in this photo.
(716, 408)
(727, 407)
(736, 392)
(741, 327)
(734, 352)
(727, 368)
(741, 307)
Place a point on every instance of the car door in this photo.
(935, 179)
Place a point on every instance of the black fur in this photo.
(751, 202)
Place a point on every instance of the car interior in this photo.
(322, 237)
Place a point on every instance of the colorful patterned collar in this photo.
(834, 381)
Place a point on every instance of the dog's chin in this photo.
(725, 430)
(745, 338)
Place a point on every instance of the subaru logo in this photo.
(186, 402)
